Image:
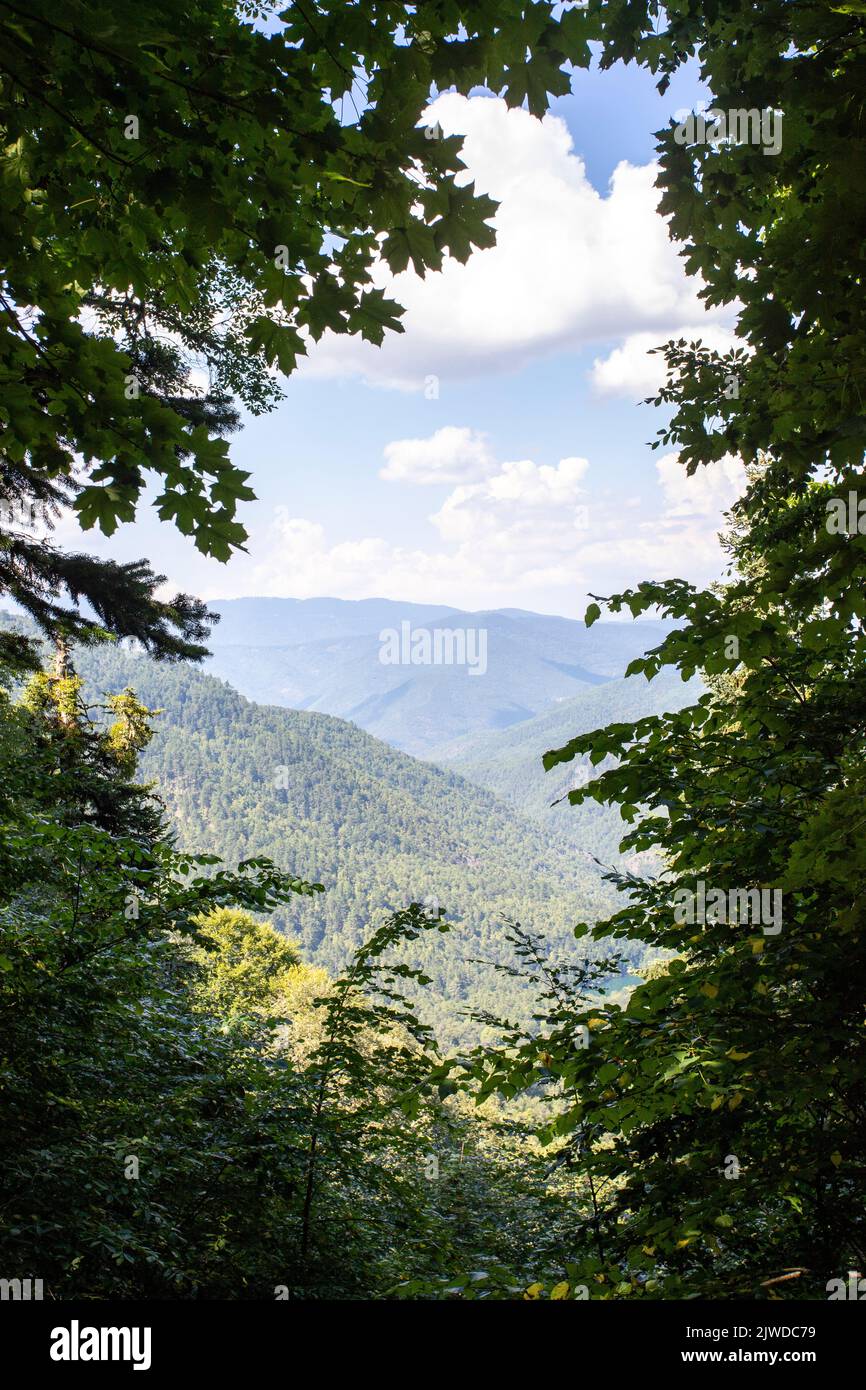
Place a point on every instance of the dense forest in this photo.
(507, 761)
(196, 1110)
(198, 1104)
(376, 828)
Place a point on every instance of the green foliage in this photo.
(104, 1059)
(244, 964)
(189, 1109)
(184, 189)
(379, 829)
(708, 1131)
(726, 1095)
(130, 733)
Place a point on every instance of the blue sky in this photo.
(517, 453)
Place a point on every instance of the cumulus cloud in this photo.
(571, 267)
(528, 534)
(708, 492)
(451, 455)
(521, 497)
(635, 371)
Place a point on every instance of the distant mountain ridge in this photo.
(327, 655)
(280, 622)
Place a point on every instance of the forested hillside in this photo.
(377, 828)
(508, 763)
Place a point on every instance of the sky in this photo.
(496, 453)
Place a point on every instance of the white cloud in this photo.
(531, 535)
(571, 266)
(513, 503)
(452, 455)
(710, 491)
(634, 370)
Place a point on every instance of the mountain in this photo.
(290, 622)
(509, 764)
(380, 828)
(374, 662)
(377, 827)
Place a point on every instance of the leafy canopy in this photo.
(192, 192)
(731, 1086)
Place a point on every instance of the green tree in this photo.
(209, 186)
(244, 964)
(141, 1136)
(169, 1130)
(732, 1083)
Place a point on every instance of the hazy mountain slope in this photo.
(606, 648)
(288, 622)
(510, 766)
(415, 708)
(325, 654)
(378, 828)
